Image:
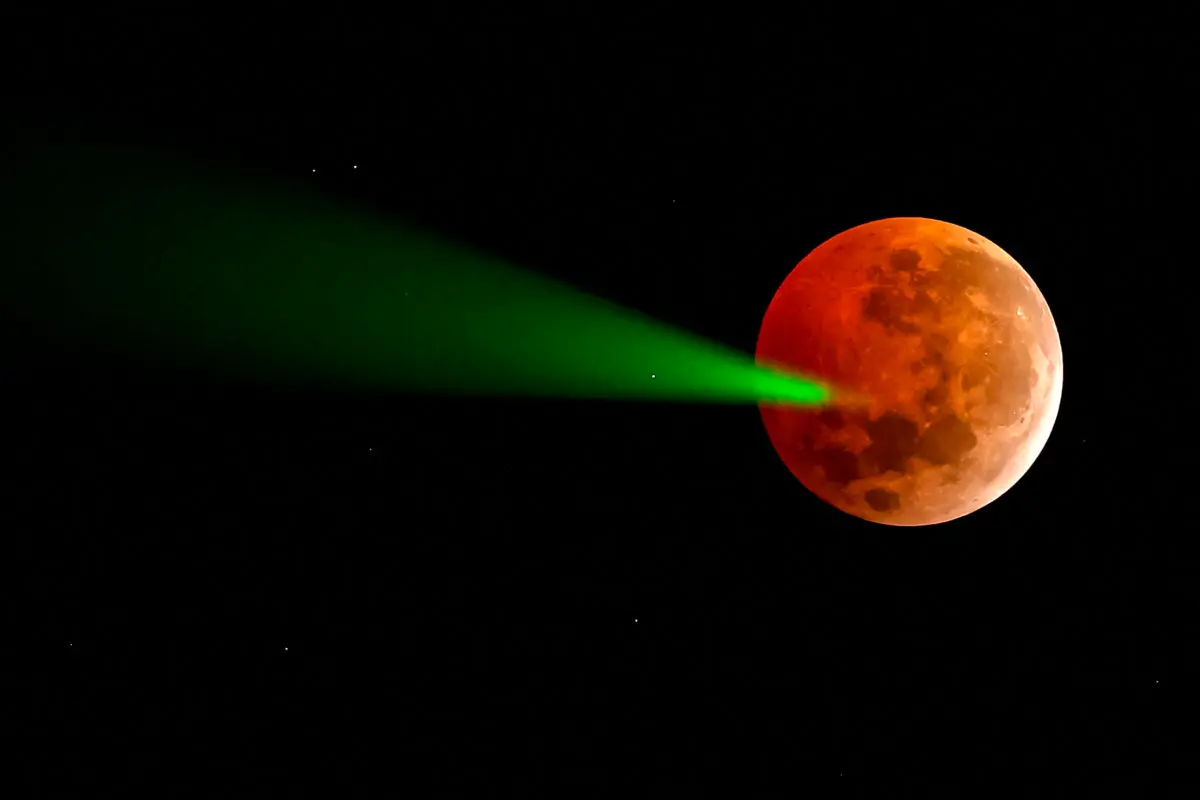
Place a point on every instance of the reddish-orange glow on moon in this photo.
(955, 347)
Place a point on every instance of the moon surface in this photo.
(953, 348)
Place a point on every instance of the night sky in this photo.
(253, 586)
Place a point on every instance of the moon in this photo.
(951, 346)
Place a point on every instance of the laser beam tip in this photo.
(849, 397)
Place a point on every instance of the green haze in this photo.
(167, 259)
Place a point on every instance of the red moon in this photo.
(953, 346)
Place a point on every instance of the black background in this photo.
(262, 587)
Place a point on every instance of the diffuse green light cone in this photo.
(153, 255)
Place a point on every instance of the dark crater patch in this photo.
(925, 278)
(961, 270)
(893, 441)
(975, 374)
(932, 358)
(882, 499)
(925, 306)
(906, 260)
(937, 395)
(839, 464)
(879, 307)
(832, 418)
(946, 441)
(888, 308)
(936, 346)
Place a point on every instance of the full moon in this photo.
(951, 347)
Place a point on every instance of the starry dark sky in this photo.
(250, 586)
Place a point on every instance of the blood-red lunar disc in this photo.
(953, 346)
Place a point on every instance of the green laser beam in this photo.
(159, 255)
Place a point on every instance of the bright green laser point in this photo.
(163, 258)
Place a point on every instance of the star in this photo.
(653, 376)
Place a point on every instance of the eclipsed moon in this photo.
(953, 346)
